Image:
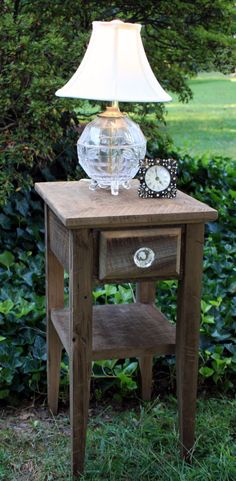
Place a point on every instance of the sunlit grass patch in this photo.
(207, 124)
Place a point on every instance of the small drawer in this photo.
(139, 254)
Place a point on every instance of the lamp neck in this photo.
(113, 111)
(115, 104)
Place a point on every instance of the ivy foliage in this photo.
(22, 291)
(42, 43)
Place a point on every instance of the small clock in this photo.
(157, 178)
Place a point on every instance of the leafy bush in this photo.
(213, 181)
(22, 301)
(38, 133)
(42, 44)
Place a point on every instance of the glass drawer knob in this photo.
(144, 257)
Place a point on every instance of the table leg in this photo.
(187, 335)
(55, 299)
(80, 287)
(146, 293)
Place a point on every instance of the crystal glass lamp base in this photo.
(114, 185)
(110, 149)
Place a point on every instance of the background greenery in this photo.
(42, 44)
(207, 124)
(22, 306)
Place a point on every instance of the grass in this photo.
(134, 445)
(207, 124)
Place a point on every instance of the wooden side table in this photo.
(97, 237)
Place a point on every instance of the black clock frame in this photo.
(170, 192)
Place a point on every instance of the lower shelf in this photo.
(120, 331)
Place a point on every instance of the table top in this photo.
(77, 206)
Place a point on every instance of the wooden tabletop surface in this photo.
(77, 206)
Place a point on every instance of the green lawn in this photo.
(207, 124)
(138, 444)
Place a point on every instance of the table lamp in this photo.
(115, 68)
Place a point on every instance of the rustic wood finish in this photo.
(187, 335)
(120, 331)
(146, 293)
(59, 239)
(77, 206)
(55, 299)
(76, 218)
(80, 340)
(117, 249)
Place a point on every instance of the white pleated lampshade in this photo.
(115, 67)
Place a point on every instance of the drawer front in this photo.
(139, 254)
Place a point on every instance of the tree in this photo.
(42, 43)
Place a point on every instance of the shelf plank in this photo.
(124, 330)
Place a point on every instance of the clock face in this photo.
(157, 178)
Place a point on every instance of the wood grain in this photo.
(146, 293)
(73, 225)
(58, 239)
(77, 206)
(117, 249)
(80, 340)
(187, 335)
(124, 330)
(55, 299)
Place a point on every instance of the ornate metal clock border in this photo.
(169, 192)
